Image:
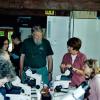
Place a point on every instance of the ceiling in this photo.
(51, 4)
(10, 10)
(28, 6)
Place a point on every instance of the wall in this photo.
(88, 30)
(25, 32)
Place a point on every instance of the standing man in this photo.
(35, 54)
(15, 54)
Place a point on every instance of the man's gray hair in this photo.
(36, 29)
(6, 67)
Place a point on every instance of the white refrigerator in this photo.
(57, 34)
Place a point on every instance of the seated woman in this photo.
(7, 72)
(4, 43)
(92, 73)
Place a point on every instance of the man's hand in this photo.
(50, 67)
(50, 76)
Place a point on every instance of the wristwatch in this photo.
(50, 72)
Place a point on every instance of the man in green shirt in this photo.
(36, 52)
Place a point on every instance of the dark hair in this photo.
(75, 43)
(6, 67)
(2, 39)
(16, 35)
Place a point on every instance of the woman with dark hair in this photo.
(4, 43)
(74, 59)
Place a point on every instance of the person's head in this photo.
(74, 45)
(16, 38)
(91, 68)
(37, 35)
(4, 43)
(7, 72)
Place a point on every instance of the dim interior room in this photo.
(58, 28)
(60, 20)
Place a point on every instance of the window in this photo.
(1, 33)
(7, 32)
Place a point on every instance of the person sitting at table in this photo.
(92, 74)
(7, 72)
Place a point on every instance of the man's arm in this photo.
(22, 57)
(50, 66)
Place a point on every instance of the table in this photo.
(36, 95)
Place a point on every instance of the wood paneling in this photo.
(51, 4)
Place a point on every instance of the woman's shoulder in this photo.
(80, 54)
(67, 55)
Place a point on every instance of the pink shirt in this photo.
(95, 88)
(77, 79)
